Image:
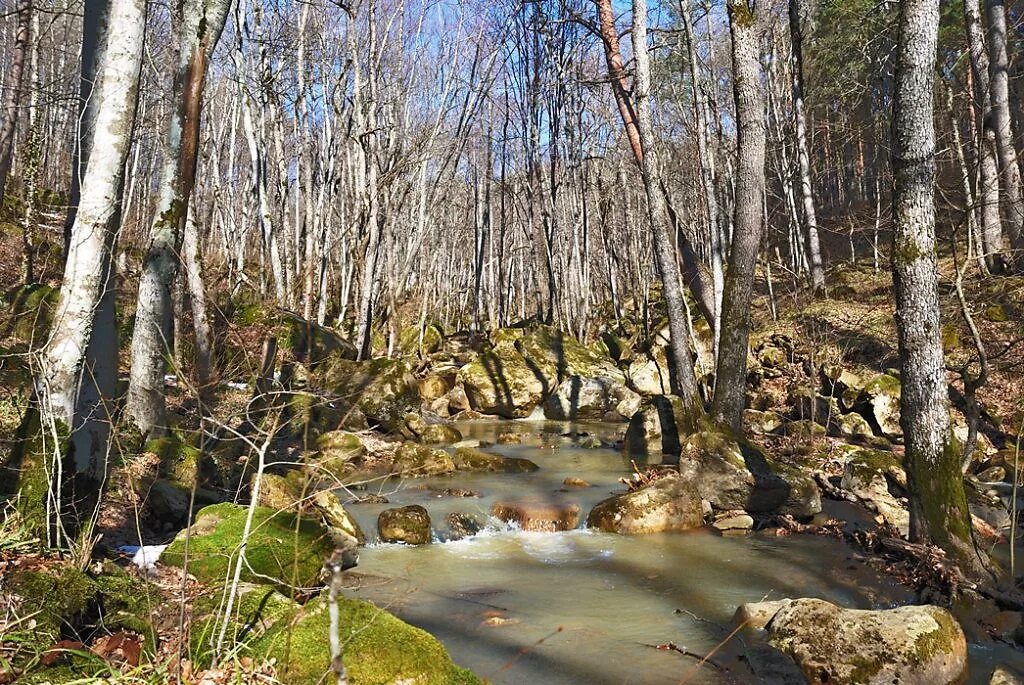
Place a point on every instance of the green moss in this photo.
(29, 312)
(256, 609)
(939, 640)
(996, 313)
(281, 551)
(416, 460)
(128, 603)
(409, 340)
(379, 648)
(30, 460)
(178, 460)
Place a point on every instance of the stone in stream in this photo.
(733, 522)
(413, 460)
(667, 504)
(472, 459)
(410, 525)
(867, 474)
(912, 645)
(462, 525)
(574, 482)
(1003, 675)
(538, 516)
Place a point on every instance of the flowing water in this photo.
(590, 607)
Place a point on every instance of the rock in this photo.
(836, 380)
(653, 429)
(756, 615)
(411, 342)
(558, 355)
(1003, 675)
(581, 398)
(761, 421)
(472, 459)
(379, 648)
(280, 551)
(309, 343)
(732, 473)
(439, 433)
(879, 402)
(911, 645)
(458, 400)
(649, 375)
(416, 460)
(993, 474)
(410, 525)
(462, 525)
(534, 516)
(667, 504)
(618, 348)
(167, 502)
(434, 386)
(337, 519)
(867, 474)
(574, 482)
(503, 382)
(384, 390)
(340, 453)
(731, 521)
(804, 428)
(853, 425)
(509, 438)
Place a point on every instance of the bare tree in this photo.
(12, 103)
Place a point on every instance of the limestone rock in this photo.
(667, 504)
(413, 460)
(913, 645)
(472, 459)
(410, 525)
(867, 474)
(502, 382)
(583, 398)
(538, 516)
(385, 390)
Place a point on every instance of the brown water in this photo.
(590, 607)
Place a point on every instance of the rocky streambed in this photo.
(585, 605)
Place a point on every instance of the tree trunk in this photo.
(748, 217)
(806, 191)
(984, 141)
(201, 24)
(12, 105)
(78, 366)
(938, 505)
(1009, 171)
(664, 246)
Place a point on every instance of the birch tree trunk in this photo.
(748, 217)
(664, 246)
(938, 505)
(78, 365)
(806, 189)
(201, 24)
(985, 141)
(12, 104)
(1009, 171)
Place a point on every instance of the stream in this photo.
(592, 607)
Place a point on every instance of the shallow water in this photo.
(590, 607)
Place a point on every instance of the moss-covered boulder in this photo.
(503, 382)
(294, 492)
(558, 355)
(280, 550)
(733, 473)
(409, 525)
(434, 386)
(338, 454)
(879, 402)
(27, 313)
(875, 476)
(438, 434)
(379, 648)
(667, 504)
(384, 390)
(922, 645)
(472, 459)
(414, 340)
(414, 460)
(649, 374)
(654, 428)
(307, 415)
(587, 398)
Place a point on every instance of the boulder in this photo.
(280, 550)
(879, 402)
(472, 459)
(308, 343)
(733, 522)
(339, 453)
(756, 615)
(409, 525)
(384, 390)
(434, 386)
(649, 375)
(761, 421)
(732, 473)
(667, 504)
(913, 645)
(503, 382)
(461, 525)
(557, 356)
(582, 398)
(538, 516)
(412, 342)
(1003, 675)
(414, 460)
(653, 429)
(867, 474)
(439, 433)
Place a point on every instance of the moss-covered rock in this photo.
(339, 454)
(438, 434)
(583, 398)
(472, 459)
(28, 313)
(649, 374)
(657, 426)
(295, 493)
(379, 648)
(281, 550)
(410, 341)
(868, 474)
(559, 355)
(434, 386)
(385, 390)
(503, 382)
(409, 525)
(414, 460)
(913, 644)
(667, 504)
(879, 402)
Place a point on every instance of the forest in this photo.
(553, 341)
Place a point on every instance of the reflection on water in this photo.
(590, 607)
